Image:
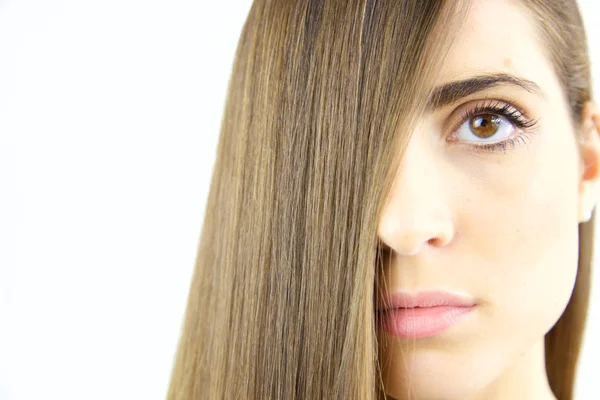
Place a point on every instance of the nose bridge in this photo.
(417, 212)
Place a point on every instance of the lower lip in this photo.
(421, 322)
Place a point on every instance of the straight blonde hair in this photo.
(322, 99)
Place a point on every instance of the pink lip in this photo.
(423, 314)
(430, 298)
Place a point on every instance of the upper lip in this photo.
(429, 298)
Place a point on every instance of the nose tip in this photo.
(418, 214)
(409, 236)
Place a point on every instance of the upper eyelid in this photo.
(497, 100)
(456, 116)
(505, 110)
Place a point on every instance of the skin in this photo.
(500, 227)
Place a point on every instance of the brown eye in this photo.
(489, 127)
(484, 128)
(484, 125)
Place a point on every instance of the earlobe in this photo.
(590, 152)
(587, 198)
(585, 213)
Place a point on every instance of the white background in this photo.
(109, 118)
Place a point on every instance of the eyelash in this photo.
(509, 111)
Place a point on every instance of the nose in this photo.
(417, 214)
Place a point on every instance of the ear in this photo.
(589, 184)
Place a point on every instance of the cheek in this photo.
(535, 276)
(527, 236)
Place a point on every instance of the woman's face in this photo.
(498, 226)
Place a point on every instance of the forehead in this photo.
(498, 36)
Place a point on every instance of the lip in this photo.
(428, 298)
(423, 314)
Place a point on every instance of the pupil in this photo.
(484, 126)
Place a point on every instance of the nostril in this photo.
(433, 241)
(383, 248)
(439, 241)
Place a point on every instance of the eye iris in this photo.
(484, 125)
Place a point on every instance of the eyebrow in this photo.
(451, 92)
